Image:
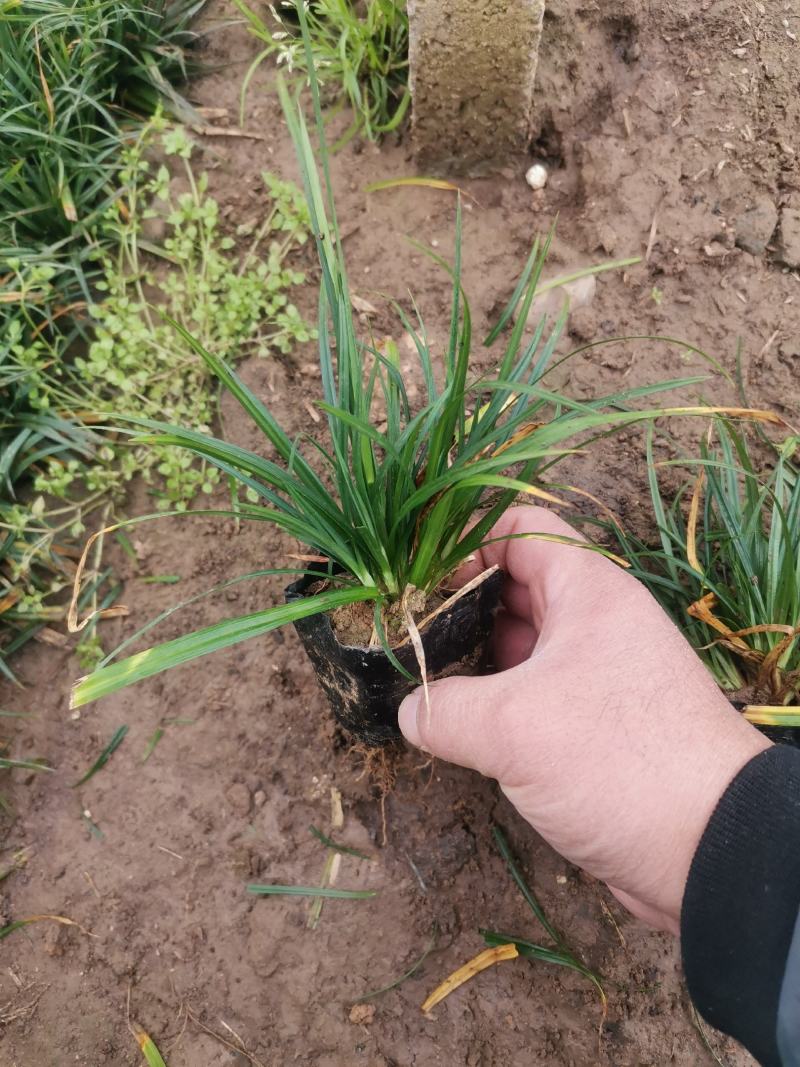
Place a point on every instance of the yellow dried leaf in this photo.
(9, 600)
(701, 609)
(691, 526)
(772, 714)
(485, 959)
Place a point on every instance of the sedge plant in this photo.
(727, 565)
(358, 52)
(75, 76)
(390, 498)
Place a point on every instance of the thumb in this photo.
(465, 720)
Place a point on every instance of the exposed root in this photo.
(428, 765)
(379, 767)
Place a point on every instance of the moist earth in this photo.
(669, 131)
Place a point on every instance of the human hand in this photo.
(603, 728)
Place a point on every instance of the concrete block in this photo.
(472, 71)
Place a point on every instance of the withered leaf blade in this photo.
(484, 959)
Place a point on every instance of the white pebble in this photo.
(536, 176)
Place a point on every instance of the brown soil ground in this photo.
(661, 122)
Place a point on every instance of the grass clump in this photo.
(390, 496)
(74, 74)
(358, 52)
(727, 565)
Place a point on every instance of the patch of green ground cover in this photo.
(136, 364)
(79, 340)
(74, 79)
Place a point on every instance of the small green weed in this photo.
(136, 365)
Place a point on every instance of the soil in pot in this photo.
(364, 688)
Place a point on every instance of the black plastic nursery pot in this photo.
(782, 735)
(364, 688)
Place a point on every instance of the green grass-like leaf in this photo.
(105, 755)
(412, 970)
(156, 736)
(787, 717)
(23, 764)
(11, 927)
(210, 639)
(21, 923)
(330, 843)
(522, 885)
(311, 891)
(560, 954)
(150, 1050)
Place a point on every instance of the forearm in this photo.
(739, 925)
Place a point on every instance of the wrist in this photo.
(711, 772)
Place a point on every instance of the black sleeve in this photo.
(739, 923)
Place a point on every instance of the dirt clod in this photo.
(55, 939)
(583, 324)
(607, 238)
(239, 799)
(755, 227)
(789, 237)
(362, 1014)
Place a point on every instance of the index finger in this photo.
(527, 543)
